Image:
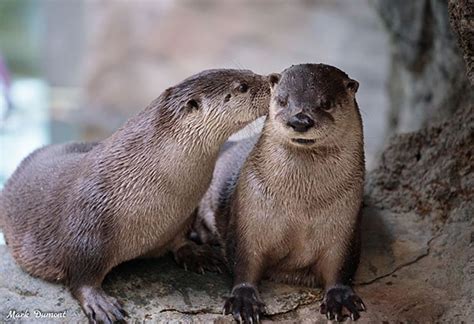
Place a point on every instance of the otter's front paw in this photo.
(198, 258)
(100, 307)
(244, 305)
(339, 297)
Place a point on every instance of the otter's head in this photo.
(216, 103)
(313, 104)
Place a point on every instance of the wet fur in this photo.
(289, 213)
(72, 212)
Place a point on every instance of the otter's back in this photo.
(214, 206)
(32, 199)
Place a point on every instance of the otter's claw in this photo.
(100, 307)
(244, 305)
(340, 297)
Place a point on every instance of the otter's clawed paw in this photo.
(198, 258)
(339, 298)
(101, 308)
(244, 305)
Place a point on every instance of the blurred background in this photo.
(77, 69)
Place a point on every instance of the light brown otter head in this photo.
(213, 104)
(313, 104)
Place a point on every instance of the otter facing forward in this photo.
(286, 205)
(72, 212)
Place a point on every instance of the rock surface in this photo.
(462, 20)
(429, 175)
(427, 81)
(155, 290)
(430, 171)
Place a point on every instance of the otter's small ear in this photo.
(192, 104)
(352, 85)
(274, 78)
(168, 91)
(165, 95)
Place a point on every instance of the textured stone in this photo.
(428, 80)
(462, 20)
(156, 290)
(389, 242)
(430, 171)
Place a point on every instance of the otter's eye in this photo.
(243, 88)
(192, 104)
(326, 106)
(283, 102)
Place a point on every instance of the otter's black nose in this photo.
(300, 123)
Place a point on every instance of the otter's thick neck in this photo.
(286, 168)
(147, 153)
(150, 132)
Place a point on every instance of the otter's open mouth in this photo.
(303, 141)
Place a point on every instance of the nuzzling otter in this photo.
(72, 212)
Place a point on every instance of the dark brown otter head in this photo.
(215, 103)
(313, 104)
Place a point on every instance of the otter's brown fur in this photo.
(72, 212)
(286, 204)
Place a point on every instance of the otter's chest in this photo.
(310, 232)
(159, 209)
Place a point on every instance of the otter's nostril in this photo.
(300, 123)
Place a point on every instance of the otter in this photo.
(286, 204)
(72, 212)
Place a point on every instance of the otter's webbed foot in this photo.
(198, 258)
(339, 297)
(100, 307)
(244, 305)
